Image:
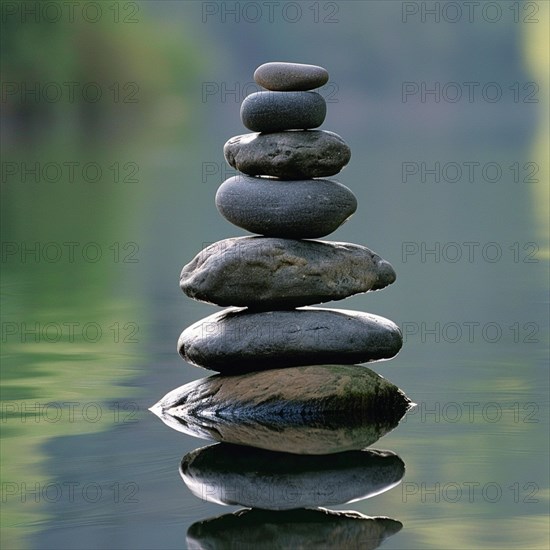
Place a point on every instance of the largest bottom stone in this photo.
(237, 340)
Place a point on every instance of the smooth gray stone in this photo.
(299, 209)
(276, 111)
(285, 530)
(285, 77)
(290, 155)
(273, 273)
(237, 340)
(320, 409)
(232, 474)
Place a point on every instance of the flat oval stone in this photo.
(273, 273)
(237, 340)
(285, 77)
(282, 530)
(256, 478)
(321, 409)
(289, 155)
(276, 111)
(298, 209)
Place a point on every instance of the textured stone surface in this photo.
(290, 155)
(273, 273)
(238, 340)
(295, 529)
(279, 76)
(319, 409)
(276, 111)
(279, 208)
(265, 479)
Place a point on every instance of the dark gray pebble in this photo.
(285, 77)
(238, 340)
(277, 111)
(281, 208)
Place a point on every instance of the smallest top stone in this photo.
(290, 77)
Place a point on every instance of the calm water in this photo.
(91, 309)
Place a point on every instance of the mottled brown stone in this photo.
(319, 409)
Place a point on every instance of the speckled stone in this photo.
(256, 478)
(299, 209)
(274, 273)
(285, 77)
(238, 340)
(320, 409)
(288, 155)
(277, 111)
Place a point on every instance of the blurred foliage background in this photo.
(172, 75)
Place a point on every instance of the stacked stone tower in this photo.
(271, 278)
(291, 411)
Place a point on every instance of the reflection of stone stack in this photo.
(273, 274)
(318, 528)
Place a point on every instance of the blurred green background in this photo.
(114, 115)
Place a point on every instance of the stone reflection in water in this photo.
(319, 409)
(264, 530)
(256, 478)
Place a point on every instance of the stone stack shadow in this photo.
(288, 382)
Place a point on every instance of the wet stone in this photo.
(276, 111)
(320, 409)
(288, 155)
(274, 273)
(238, 340)
(280, 208)
(284, 77)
